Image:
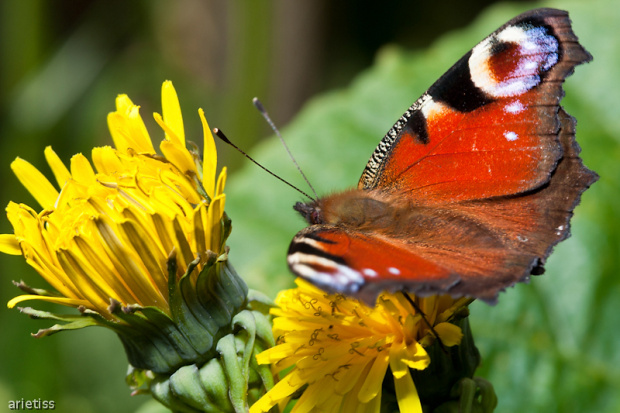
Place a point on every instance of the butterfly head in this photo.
(311, 212)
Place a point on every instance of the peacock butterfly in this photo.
(473, 186)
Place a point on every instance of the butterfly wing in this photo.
(474, 248)
(354, 263)
(486, 158)
(530, 225)
(489, 126)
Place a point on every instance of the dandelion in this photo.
(109, 230)
(340, 349)
(136, 241)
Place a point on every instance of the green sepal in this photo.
(213, 378)
(235, 374)
(195, 321)
(259, 301)
(160, 390)
(186, 384)
(138, 379)
(229, 382)
(221, 290)
(226, 223)
(202, 307)
(73, 322)
(152, 340)
(470, 396)
(35, 291)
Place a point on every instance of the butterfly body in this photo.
(471, 188)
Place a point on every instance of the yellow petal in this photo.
(81, 170)
(116, 125)
(202, 231)
(185, 255)
(35, 182)
(351, 402)
(209, 158)
(149, 251)
(172, 113)
(163, 229)
(449, 334)
(127, 127)
(428, 305)
(106, 160)
(139, 138)
(181, 185)
(164, 201)
(311, 398)
(58, 300)
(407, 394)
(40, 259)
(372, 384)
(174, 152)
(452, 307)
(92, 259)
(216, 211)
(89, 284)
(123, 104)
(221, 182)
(125, 261)
(283, 389)
(275, 353)
(373, 406)
(9, 245)
(349, 378)
(398, 352)
(416, 356)
(59, 169)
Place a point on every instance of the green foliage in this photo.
(551, 345)
(547, 346)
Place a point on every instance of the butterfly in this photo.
(472, 187)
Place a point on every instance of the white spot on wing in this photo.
(430, 107)
(514, 107)
(511, 136)
(394, 270)
(512, 34)
(309, 241)
(337, 276)
(370, 272)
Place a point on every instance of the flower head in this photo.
(136, 241)
(107, 232)
(341, 348)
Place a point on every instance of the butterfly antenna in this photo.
(223, 137)
(257, 103)
(419, 311)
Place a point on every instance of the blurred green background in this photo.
(335, 76)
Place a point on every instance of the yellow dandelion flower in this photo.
(341, 349)
(107, 230)
(136, 242)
